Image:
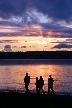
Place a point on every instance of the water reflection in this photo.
(12, 76)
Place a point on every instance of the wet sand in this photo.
(33, 100)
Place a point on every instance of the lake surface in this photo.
(12, 74)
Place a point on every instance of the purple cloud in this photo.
(62, 45)
(23, 46)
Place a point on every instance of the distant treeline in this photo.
(37, 55)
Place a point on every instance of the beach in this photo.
(33, 100)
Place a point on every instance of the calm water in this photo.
(12, 73)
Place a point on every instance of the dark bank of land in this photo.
(37, 55)
(22, 100)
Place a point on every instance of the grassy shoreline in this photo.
(33, 100)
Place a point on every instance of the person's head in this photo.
(36, 78)
(50, 76)
(26, 74)
(40, 77)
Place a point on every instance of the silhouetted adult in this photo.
(50, 84)
(37, 85)
(27, 81)
(41, 83)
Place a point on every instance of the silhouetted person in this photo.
(27, 81)
(50, 84)
(41, 83)
(37, 85)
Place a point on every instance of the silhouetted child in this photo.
(27, 81)
(41, 83)
(50, 84)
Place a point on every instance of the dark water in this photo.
(12, 73)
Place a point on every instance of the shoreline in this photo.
(33, 100)
(34, 92)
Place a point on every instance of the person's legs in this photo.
(49, 90)
(52, 89)
(42, 90)
(26, 86)
(37, 89)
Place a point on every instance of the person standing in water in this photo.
(27, 81)
(41, 83)
(50, 84)
(37, 85)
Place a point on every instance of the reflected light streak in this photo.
(16, 74)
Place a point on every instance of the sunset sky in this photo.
(35, 25)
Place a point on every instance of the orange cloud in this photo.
(35, 31)
(50, 34)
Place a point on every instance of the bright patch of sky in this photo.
(41, 17)
(65, 24)
(16, 19)
(8, 26)
(35, 26)
(6, 31)
(1, 19)
(13, 19)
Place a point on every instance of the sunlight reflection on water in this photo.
(11, 76)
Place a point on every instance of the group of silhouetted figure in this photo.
(39, 84)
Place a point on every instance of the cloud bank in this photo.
(55, 9)
(50, 15)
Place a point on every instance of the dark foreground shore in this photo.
(22, 100)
